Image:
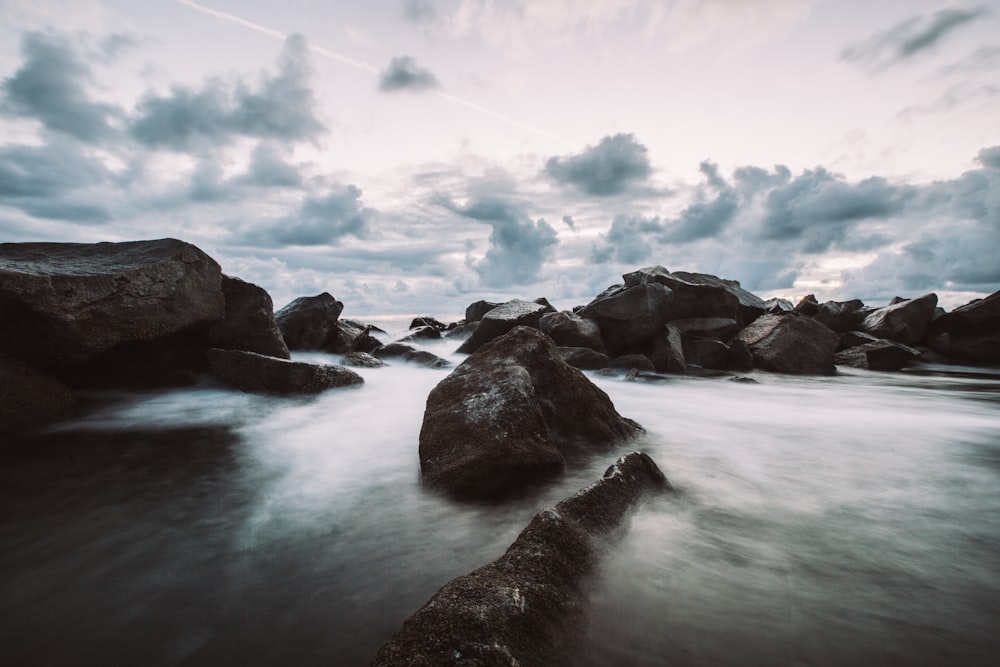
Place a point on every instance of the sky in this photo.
(414, 156)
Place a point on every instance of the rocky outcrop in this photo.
(969, 333)
(692, 295)
(790, 343)
(502, 319)
(570, 330)
(310, 322)
(507, 415)
(877, 355)
(257, 373)
(523, 608)
(249, 322)
(904, 322)
(28, 396)
(64, 303)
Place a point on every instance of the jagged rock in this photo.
(707, 353)
(526, 607)
(695, 294)
(777, 306)
(506, 415)
(257, 373)
(807, 305)
(638, 362)
(351, 336)
(584, 358)
(362, 360)
(249, 323)
(28, 396)
(719, 328)
(544, 303)
(630, 316)
(63, 303)
(425, 332)
(475, 311)
(751, 306)
(969, 333)
(502, 319)
(904, 322)
(879, 355)
(309, 322)
(427, 321)
(411, 354)
(855, 338)
(462, 331)
(790, 344)
(842, 316)
(570, 330)
(667, 353)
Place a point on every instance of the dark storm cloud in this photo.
(53, 181)
(990, 157)
(519, 246)
(403, 73)
(909, 38)
(320, 220)
(629, 240)
(605, 169)
(281, 107)
(269, 169)
(714, 206)
(50, 87)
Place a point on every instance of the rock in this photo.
(743, 380)
(249, 322)
(352, 336)
(707, 353)
(879, 355)
(970, 333)
(257, 373)
(411, 354)
(507, 415)
(719, 328)
(750, 306)
(502, 319)
(790, 344)
(426, 332)
(462, 331)
(667, 353)
(807, 305)
(526, 607)
(976, 349)
(636, 362)
(362, 360)
(584, 358)
(309, 322)
(630, 316)
(855, 338)
(570, 330)
(544, 303)
(740, 356)
(426, 321)
(63, 303)
(694, 295)
(29, 397)
(904, 322)
(777, 306)
(475, 311)
(842, 316)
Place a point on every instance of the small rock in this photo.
(256, 373)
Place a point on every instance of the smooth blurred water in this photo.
(844, 520)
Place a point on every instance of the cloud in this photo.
(53, 181)
(419, 11)
(989, 157)
(910, 38)
(568, 221)
(605, 169)
(519, 246)
(282, 107)
(628, 240)
(320, 220)
(403, 73)
(269, 169)
(705, 216)
(50, 86)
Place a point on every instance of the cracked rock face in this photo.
(509, 413)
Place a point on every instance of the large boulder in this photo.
(790, 343)
(667, 353)
(750, 306)
(842, 316)
(502, 319)
(258, 373)
(904, 322)
(475, 311)
(584, 358)
(708, 353)
(630, 316)
(568, 329)
(694, 295)
(249, 322)
(970, 333)
(877, 355)
(63, 303)
(28, 396)
(526, 607)
(719, 328)
(309, 322)
(509, 413)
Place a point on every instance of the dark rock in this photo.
(637, 362)
(980, 316)
(855, 338)
(707, 353)
(411, 354)
(790, 344)
(842, 316)
(352, 336)
(309, 322)
(778, 306)
(426, 332)
(879, 355)
(719, 328)
(570, 330)
(257, 373)
(630, 316)
(694, 294)
(977, 348)
(740, 356)
(29, 397)
(63, 303)
(362, 360)
(743, 380)
(427, 321)
(249, 323)
(667, 353)
(584, 358)
(807, 305)
(502, 319)
(544, 303)
(475, 311)
(462, 331)
(506, 416)
(904, 322)
(897, 300)
(751, 306)
(526, 607)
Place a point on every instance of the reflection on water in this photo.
(839, 520)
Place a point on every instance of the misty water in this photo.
(853, 519)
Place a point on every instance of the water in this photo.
(824, 521)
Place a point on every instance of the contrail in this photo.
(359, 64)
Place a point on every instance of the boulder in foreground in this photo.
(506, 416)
(522, 608)
(256, 373)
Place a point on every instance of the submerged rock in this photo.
(506, 416)
(257, 373)
(790, 343)
(523, 608)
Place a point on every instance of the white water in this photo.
(845, 520)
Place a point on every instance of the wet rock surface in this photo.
(257, 373)
(790, 344)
